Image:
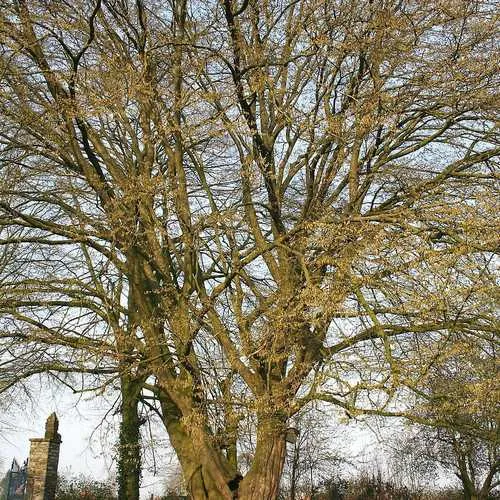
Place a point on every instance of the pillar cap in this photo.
(51, 434)
(51, 427)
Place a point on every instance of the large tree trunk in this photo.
(129, 455)
(263, 479)
(207, 473)
(261, 482)
(210, 474)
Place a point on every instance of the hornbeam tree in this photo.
(299, 197)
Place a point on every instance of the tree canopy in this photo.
(243, 207)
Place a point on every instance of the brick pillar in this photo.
(43, 461)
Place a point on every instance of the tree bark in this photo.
(129, 454)
(208, 474)
(293, 484)
(263, 479)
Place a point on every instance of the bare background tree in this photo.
(313, 458)
(461, 401)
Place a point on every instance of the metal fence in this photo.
(16, 480)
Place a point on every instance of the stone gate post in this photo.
(43, 462)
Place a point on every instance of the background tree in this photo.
(175, 484)
(3, 488)
(463, 432)
(3, 485)
(313, 458)
(297, 196)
